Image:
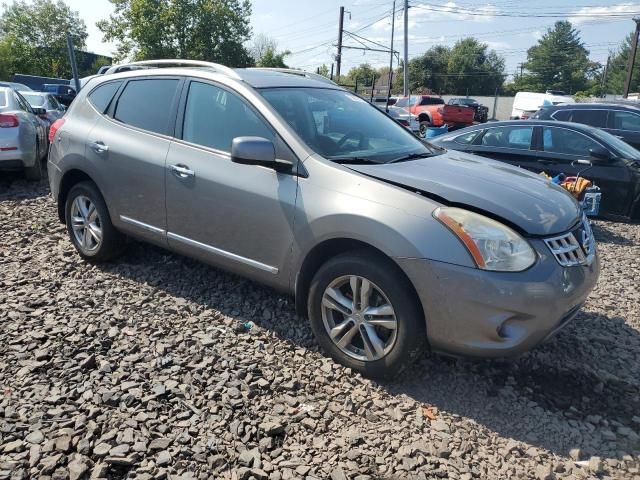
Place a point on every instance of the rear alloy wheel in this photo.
(89, 224)
(366, 315)
(35, 171)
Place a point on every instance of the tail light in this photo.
(9, 120)
(55, 126)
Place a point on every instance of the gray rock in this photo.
(35, 437)
(77, 468)
(163, 458)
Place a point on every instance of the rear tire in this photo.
(424, 125)
(89, 224)
(383, 330)
(34, 172)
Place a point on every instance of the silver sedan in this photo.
(23, 136)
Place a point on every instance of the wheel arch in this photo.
(328, 249)
(424, 117)
(69, 179)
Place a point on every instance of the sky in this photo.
(309, 29)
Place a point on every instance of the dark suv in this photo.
(63, 93)
(619, 119)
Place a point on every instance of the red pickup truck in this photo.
(433, 112)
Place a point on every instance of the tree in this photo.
(35, 34)
(273, 59)
(260, 44)
(559, 61)
(429, 70)
(618, 65)
(472, 68)
(211, 30)
(363, 74)
(324, 71)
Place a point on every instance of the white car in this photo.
(526, 104)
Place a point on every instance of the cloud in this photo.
(593, 13)
(453, 11)
(496, 45)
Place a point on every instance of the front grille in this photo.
(574, 248)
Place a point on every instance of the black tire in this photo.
(34, 172)
(410, 332)
(424, 125)
(111, 242)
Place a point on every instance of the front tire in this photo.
(89, 224)
(424, 125)
(365, 314)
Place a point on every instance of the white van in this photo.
(526, 104)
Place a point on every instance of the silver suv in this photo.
(388, 243)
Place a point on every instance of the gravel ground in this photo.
(156, 366)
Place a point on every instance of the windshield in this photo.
(466, 101)
(340, 126)
(623, 148)
(33, 99)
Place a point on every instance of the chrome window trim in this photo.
(222, 253)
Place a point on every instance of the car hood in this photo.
(524, 199)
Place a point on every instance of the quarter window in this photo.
(467, 138)
(508, 137)
(562, 115)
(567, 142)
(213, 117)
(101, 96)
(402, 102)
(595, 118)
(626, 121)
(146, 104)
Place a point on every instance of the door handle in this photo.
(182, 171)
(99, 147)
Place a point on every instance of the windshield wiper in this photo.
(410, 156)
(354, 160)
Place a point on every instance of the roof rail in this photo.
(300, 73)
(177, 62)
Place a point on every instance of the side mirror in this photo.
(257, 151)
(600, 153)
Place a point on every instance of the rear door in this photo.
(512, 144)
(625, 125)
(129, 145)
(561, 147)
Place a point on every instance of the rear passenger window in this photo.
(146, 104)
(595, 118)
(567, 142)
(213, 117)
(101, 96)
(562, 115)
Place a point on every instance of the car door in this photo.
(36, 128)
(509, 143)
(238, 217)
(128, 146)
(562, 147)
(625, 125)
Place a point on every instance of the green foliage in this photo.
(559, 61)
(211, 30)
(363, 74)
(33, 38)
(324, 71)
(618, 65)
(272, 59)
(468, 66)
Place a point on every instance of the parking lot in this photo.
(156, 366)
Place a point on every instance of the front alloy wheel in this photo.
(359, 318)
(365, 313)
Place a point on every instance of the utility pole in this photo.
(632, 58)
(339, 57)
(331, 77)
(521, 67)
(72, 61)
(405, 89)
(603, 86)
(393, 25)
